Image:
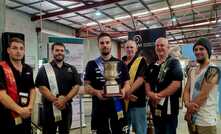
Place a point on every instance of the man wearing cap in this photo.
(200, 93)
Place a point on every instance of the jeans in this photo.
(165, 125)
(137, 117)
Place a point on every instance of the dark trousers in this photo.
(105, 121)
(11, 128)
(50, 126)
(166, 124)
(108, 125)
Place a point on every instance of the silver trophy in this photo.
(110, 74)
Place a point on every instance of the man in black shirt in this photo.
(136, 94)
(163, 81)
(105, 111)
(17, 91)
(58, 82)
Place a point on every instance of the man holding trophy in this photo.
(107, 80)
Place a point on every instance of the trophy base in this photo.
(112, 90)
(112, 95)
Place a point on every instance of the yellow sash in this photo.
(132, 73)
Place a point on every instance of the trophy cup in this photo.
(110, 74)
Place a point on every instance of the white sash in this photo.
(54, 89)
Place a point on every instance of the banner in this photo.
(145, 40)
(74, 55)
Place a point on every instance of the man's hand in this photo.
(24, 112)
(129, 92)
(155, 98)
(133, 98)
(188, 117)
(123, 93)
(192, 107)
(99, 94)
(60, 102)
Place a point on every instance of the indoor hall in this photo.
(78, 23)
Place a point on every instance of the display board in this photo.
(145, 40)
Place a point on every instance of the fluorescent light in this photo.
(161, 9)
(55, 33)
(141, 13)
(123, 37)
(98, 13)
(199, 24)
(122, 17)
(147, 12)
(181, 5)
(100, 21)
(105, 20)
(91, 24)
(199, 1)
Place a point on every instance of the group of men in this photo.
(160, 82)
(57, 81)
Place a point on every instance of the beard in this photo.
(59, 58)
(17, 58)
(201, 61)
(105, 51)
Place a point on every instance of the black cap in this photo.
(205, 43)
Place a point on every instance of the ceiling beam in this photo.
(131, 16)
(161, 13)
(172, 14)
(145, 25)
(124, 24)
(193, 37)
(148, 9)
(35, 8)
(24, 4)
(106, 2)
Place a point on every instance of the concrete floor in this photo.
(182, 127)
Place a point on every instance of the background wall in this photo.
(18, 22)
(92, 51)
(36, 44)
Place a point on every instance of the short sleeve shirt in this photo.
(24, 81)
(67, 77)
(174, 73)
(140, 93)
(97, 81)
(94, 75)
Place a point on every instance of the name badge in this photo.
(24, 98)
(18, 120)
(158, 112)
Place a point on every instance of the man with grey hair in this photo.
(136, 94)
(163, 79)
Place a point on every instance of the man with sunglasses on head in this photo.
(107, 112)
(200, 93)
